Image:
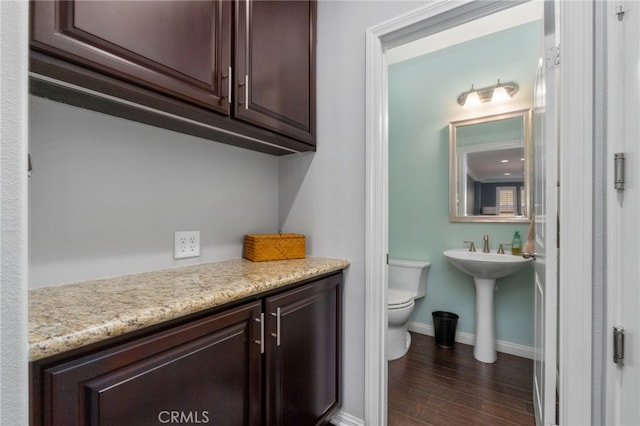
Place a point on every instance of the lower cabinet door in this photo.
(206, 372)
(303, 353)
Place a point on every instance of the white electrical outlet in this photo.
(186, 244)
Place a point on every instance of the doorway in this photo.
(575, 24)
(441, 150)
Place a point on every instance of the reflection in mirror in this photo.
(490, 168)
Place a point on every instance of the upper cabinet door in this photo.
(275, 66)
(178, 48)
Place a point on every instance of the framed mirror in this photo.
(490, 166)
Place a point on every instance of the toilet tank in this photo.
(409, 275)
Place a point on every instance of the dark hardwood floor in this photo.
(433, 386)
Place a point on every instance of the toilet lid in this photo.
(398, 298)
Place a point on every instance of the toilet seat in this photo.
(398, 299)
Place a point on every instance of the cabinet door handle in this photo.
(247, 46)
(277, 333)
(229, 84)
(246, 96)
(229, 87)
(261, 341)
(246, 91)
(247, 71)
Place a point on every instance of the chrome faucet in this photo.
(485, 249)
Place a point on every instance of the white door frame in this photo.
(615, 138)
(575, 275)
(622, 136)
(575, 160)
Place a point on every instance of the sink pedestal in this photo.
(485, 346)
(485, 268)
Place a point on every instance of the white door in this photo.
(623, 379)
(545, 213)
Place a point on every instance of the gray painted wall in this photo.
(107, 195)
(323, 194)
(13, 208)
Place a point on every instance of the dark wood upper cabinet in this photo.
(179, 48)
(239, 72)
(275, 66)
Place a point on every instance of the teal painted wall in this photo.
(422, 101)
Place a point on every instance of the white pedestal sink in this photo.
(485, 268)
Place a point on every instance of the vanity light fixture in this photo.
(471, 99)
(499, 93)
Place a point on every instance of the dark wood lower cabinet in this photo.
(303, 355)
(210, 368)
(208, 371)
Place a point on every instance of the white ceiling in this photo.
(491, 166)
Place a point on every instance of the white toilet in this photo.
(407, 282)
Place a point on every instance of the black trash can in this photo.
(445, 324)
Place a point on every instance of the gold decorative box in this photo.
(262, 247)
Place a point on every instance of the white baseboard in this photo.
(469, 339)
(346, 419)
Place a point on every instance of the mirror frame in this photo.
(526, 115)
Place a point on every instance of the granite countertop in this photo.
(70, 316)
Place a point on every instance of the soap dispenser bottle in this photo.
(516, 244)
